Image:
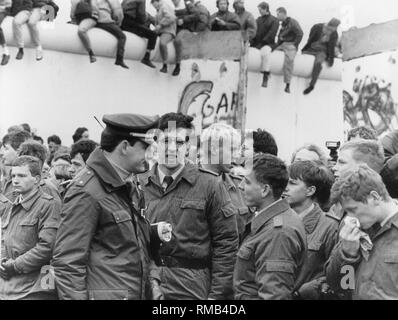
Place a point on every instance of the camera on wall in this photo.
(333, 146)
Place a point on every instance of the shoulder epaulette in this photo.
(83, 178)
(47, 196)
(278, 221)
(235, 177)
(3, 198)
(208, 171)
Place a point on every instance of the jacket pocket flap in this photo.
(121, 216)
(315, 246)
(28, 222)
(279, 266)
(193, 204)
(393, 258)
(245, 253)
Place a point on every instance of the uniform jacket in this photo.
(110, 11)
(290, 32)
(244, 215)
(375, 279)
(20, 5)
(322, 234)
(315, 35)
(248, 24)
(271, 255)
(203, 219)
(195, 20)
(231, 19)
(166, 19)
(4, 4)
(103, 248)
(267, 28)
(29, 230)
(135, 9)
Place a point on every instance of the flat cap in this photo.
(130, 125)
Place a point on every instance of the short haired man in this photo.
(321, 43)
(195, 18)
(352, 153)
(309, 185)
(371, 260)
(79, 154)
(104, 243)
(361, 133)
(220, 147)
(310, 152)
(53, 142)
(274, 245)
(59, 176)
(134, 20)
(224, 20)
(198, 263)
(260, 142)
(247, 22)
(29, 227)
(289, 39)
(267, 28)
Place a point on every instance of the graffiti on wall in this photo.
(370, 101)
(210, 93)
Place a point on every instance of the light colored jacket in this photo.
(166, 19)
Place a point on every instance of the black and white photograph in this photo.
(198, 154)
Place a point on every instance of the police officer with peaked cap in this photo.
(104, 244)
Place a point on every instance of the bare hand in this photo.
(164, 231)
(350, 235)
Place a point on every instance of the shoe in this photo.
(308, 90)
(265, 81)
(122, 64)
(20, 54)
(39, 54)
(5, 59)
(287, 88)
(177, 70)
(92, 58)
(164, 69)
(148, 63)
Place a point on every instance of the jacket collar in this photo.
(104, 169)
(229, 184)
(392, 222)
(311, 220)
(189, 173)
(271, 212)
(28, 202)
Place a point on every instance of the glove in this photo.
(156, 291)
(7, 269)
(311, 290)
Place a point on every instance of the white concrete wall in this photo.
(65, 91)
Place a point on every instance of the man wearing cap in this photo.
(104, 244)
(197, 264)
(321, 43)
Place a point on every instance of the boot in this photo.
(119, 62)
(20, 54)
(164, 68)
(287, 88)
(5, 59)
(177, 70)
(308, 90)
(265, 79)
(147, 61)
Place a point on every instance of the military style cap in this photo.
(130, 125)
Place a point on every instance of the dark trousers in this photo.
(130, 25)
(2, 39)
(115, 30)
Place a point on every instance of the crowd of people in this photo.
(171, 24)
(138, 217)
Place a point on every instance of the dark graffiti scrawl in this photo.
(372, 94)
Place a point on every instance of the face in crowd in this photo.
(135, 157)
(223, 5)
(344, 163)
(173, 146)
(77, 164)
(23, 181)
(297, 192)
(306, 155)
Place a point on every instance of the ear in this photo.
(374, 198)
(123, 147)
(37, 180)
(310, 191)
(266, 191)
